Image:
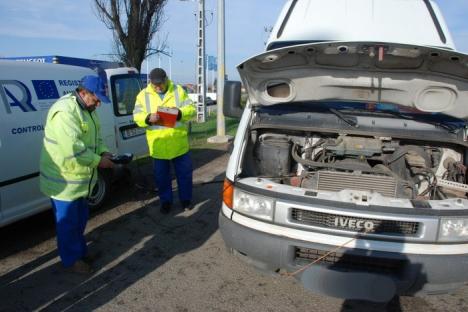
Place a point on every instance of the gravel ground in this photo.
(152, 262)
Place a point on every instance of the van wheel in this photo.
(100, 191)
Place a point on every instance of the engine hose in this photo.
(440, 194)
(432, 185)
(312, 163)
(403, 150)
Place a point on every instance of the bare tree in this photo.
(133, 23)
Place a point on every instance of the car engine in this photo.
(393, 168)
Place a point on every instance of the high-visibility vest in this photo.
(165, 142)
(71, 150)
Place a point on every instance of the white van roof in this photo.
(417, 22)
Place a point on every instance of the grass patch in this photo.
(200, 132)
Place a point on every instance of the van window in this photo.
(125, 88)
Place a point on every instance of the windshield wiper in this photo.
(350, 121)
(448, 127)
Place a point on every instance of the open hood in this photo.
(422, 78)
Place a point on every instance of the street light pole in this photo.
(220, 124)
(220, 127)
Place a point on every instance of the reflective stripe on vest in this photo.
(137, 110)
(76, 154)
(176, 96)
(50, 141)
(147, 102)
(64, 181)
(156, 127)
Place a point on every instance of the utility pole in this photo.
(201, 70)
(220, 124)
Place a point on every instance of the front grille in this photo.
(334, 221)
(344, 261)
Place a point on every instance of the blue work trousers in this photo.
(71, 218)
(163, 177)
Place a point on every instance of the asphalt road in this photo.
(153, 262)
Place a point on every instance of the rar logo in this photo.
(14, 93)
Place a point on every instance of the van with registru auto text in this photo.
(27, 91)
(349, 165)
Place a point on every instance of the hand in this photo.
(154, 117)
(179, 114)
(107, 155)
(105, 162)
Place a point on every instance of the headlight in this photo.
(453, 229)
(253, 205)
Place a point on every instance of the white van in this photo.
(27, 90)
(349, 165)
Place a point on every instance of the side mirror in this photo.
(232, 99)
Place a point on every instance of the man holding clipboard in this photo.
(163, 109)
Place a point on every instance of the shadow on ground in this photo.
(131, 246)
(34, 230)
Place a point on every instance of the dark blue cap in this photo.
(95, 85)
(158, 75)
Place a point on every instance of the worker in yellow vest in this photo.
(168, 143)
(73, 150)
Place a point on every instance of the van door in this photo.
(21, 132)
(124, 88)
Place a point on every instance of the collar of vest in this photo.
(79, 100)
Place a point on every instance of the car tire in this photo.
(101, 190)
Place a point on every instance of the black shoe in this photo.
(80, 267)
(187, 205)
(91, 257)
(165, 208)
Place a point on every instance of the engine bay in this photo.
(392, 167)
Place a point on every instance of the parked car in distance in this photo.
(210, 98)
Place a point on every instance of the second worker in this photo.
(167, 144)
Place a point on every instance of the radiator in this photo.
(337, 181)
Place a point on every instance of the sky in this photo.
(72, 28)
